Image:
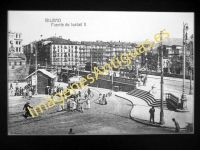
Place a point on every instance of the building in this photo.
(15, 40)
(62, 53)
(17, 68)
(44, 78)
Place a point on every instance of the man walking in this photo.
(152, 111)
(27, 113)
(177, 129)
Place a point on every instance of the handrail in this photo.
(172, 97)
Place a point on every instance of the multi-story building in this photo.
(15, 40)
(59, 52)
(16, 59)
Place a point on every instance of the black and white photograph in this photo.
(100, 72)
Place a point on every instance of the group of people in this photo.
(26, 92)
(102, 99)
(53, 90)
(152, 112)
(76, 104)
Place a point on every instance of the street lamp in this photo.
(146, 66)
(183, 97)
(158, 66)
(46, 63)
(36, 46)
(136, 78)
(191, 67)
(168, 63)
(161, 87)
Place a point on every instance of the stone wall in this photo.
(125, 84)
(18, 74)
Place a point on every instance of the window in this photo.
(19, 36)
(16, 42)
(16, 49)
(19, 42)
(20, 63)
(19, 49)
(9, 63)
(16, 35)
(15, 63)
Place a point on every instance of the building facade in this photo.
(15, 40)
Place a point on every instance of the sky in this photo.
(123, 26)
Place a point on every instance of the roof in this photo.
(23, 56)
(49, 74)
(74, 79)
(172, 41)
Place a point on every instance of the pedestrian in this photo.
(27, 113)
(70, 131)
(30, 94)
(89, 92)
(27, 92)
(100, 98)
(68, 105)
(85, 95)
(79, 93)
(88, 103)
(21, 93)
(152, 111)
(73, 106)
(11, 87)
(24, 93)
(104, 102)
(55, 89)
(144, 81)
(177, 129)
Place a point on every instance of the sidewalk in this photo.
(140, 111)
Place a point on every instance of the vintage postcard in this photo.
(100, 73)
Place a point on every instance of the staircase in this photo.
(147, 97)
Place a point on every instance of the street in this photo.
(113, 118)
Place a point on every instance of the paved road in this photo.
(112, 118)
(170, 83)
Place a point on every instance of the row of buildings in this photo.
(59, 52)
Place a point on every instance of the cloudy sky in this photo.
(127, 26)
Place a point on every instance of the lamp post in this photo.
(36, 68)
(183, 97)
(168, 63)
(161, 87)
(146, 66)
(191, 67)
(46, 63)
(158, 66)
(136, 78)
(91, 58)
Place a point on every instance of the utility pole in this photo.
(91, 58)
(183, 97)
(161, 87)
(36, 68)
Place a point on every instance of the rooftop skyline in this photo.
(123, 26)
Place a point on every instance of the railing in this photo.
(172, 99)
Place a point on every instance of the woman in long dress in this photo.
(100, 98)
(30, 93)
(88, 103)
